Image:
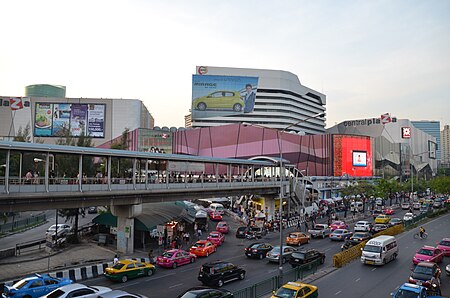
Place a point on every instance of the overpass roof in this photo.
(64, 149)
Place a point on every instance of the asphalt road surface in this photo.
(358, 280)
(172, 282)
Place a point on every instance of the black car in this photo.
(306, 256)
(359, 237)
(92, 210)
(347, 244)
(258, 250)
(427, 274)
(255, 233)
(240, 232)
(219, 272)
(201, 292)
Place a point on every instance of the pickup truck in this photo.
(320, 230)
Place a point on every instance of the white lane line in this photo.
(337, 293)
(270, 271)
(327, 249)
(158, 277)
(357, 279)
(177, 285)
(374, 269)
(131, 284)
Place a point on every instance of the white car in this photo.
(77, 290)
(406, 206)
(120, 294)
(62, 229)
(408, 216)
(363, 226)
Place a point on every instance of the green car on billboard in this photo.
(220, 100)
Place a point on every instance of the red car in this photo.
(444, 245)
(388, 211)
(203, 248)
(215, 216)
(428, 254)
(222, 227)
(174, 258)
(216, 238)
(338, 225)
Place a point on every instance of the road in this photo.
(172, 282)
(39, 232)
(358, 280)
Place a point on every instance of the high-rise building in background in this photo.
(445, 145)
(432, 128)
(270, 98)
(188, 121)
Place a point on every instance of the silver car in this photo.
(274, 254)
(120, 294)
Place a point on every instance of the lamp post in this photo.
(282, 172)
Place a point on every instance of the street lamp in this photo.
(282, 172)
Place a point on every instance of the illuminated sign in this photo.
(359, 158)
(352, 156)
(406, 132)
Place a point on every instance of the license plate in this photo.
(370, 262)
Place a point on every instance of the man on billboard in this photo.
(249, 99)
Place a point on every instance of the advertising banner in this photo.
(61, 119)
(96, 121)
(43, 119)
(78, 120)
(58, 119)
(214, 95)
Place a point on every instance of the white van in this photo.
(216, 207)
(379, 250)
(356, 206)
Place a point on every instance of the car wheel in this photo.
(124, 278)
(237, 107)
(283, 261)
(309, 239)
(174, 265)
(241, 275)
(261, 256)
(220, 283)
(150, 272)
(323, 236)
(192, 260)
(207, 254)
(201, 106)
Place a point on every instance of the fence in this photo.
(272, 284)
(22, 223)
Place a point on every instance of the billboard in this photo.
(352, 155)
(60, 119)
(214, 95)
(432, 147)
(359, 158)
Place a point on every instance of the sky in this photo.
(367, 57)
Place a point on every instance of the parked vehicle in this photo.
(304, 256)
(320, 230)
(219, 272)
(379, 250)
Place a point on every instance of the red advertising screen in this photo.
(352, 155)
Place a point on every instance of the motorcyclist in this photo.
(421, 231)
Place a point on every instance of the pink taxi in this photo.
(222, 227)
(338, 224)
(174, 258)
(444, 245)
(216, 237)
(428, 254)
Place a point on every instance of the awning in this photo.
(153, 214)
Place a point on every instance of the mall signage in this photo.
(406, 132)
(384, 119)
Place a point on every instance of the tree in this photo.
(72, 216)
(440, 184)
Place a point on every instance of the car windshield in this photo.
(425, 252)
(276, 249)
(214, 235)
(338, 231)
(292, 236)
(372, 248)
(189, 295)
(118, 266)
(255, 229)
(359, 235)
(20, 284)
(444, 243)
(319, 227)
(168, 254)
(56, 293)
(298, 255)
(423, 270)
(255, 245)
(405, 294)
(286, 293)
(199, 244)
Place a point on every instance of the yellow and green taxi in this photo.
(296, 290)
(382, 219)
(220, 100)
(124, 270)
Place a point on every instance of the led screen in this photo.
(359, 158)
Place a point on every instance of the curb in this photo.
(25, 229)
(81, 273)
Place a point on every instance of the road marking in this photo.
(357, 279)
(175, 286)
(328, 249)
(158, 277)
(337, 293)
(193, 268)
(374, 269)
(131, 284)
(270, 271)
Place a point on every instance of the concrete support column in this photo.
(8, 159)
(269, 203)
(125, 226)
(109, 173)
(46, 172)
(80, 172)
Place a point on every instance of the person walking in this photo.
(116, 259)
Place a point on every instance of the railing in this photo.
(28, 244)
(272, 284)
(22, 223)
